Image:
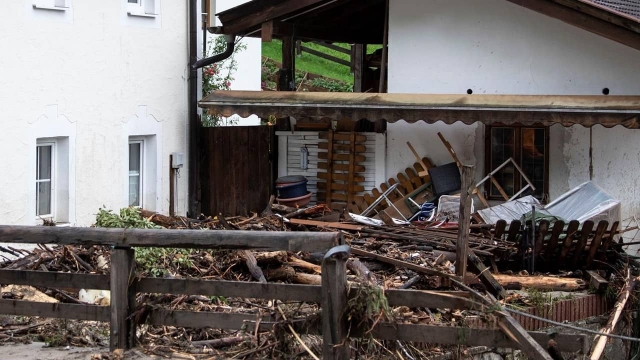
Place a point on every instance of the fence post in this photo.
(334, 304)
(462, 244)
(123, 297)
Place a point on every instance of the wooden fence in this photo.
(332, 294)
(237, 172)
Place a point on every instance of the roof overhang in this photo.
(545, 110)
(362, 21)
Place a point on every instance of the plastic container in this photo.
(295, 202)
(290, 187)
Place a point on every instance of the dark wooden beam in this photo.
(287, 77)
(358, 66)
(583, 21)
(256, 18)
(267, 31)
(325, 56)
(603, 13)
(221, 239)
(54, 310)
(53, 279)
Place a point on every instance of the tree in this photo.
(219, 76)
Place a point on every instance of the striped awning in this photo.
(528, 110)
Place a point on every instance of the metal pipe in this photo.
(192, 107)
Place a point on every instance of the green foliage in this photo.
(331, 85)
(219, 77)
(127, 218)
(152, 261)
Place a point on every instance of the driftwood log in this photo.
(540, 282)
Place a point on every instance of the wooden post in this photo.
(123, 297)
(462, 244)
(287, 79)
(334, 304)
(357, 62)
(172, 187)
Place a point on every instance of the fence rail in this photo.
(332, 294)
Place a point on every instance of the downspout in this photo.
(192, 111)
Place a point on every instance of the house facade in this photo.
(93, 105)
(497, 47)
(476, 72)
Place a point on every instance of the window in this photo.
(136, 156)
(144, 8)
(60, 5)
(529, 148)
(45, 155)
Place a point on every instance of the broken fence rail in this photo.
(332, 294)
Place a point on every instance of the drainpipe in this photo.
(193, 118)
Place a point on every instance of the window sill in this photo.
(55, 8)
(144, 15)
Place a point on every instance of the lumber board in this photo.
(335, 327)
(123, 298)
(203, 319)
(542, 232)
(609, 240)
(334, 225)
(341, 177)
(341, 167)
(597, 239)
(464, 214)
(197, 239)
(327, 197)
(352, 166)
(55, 310)
(492, 284)
(514, 230)
(341, 187)
(342, 136)
(429, 299)
(585, 232)
(454, 335)
(341, 147)
(572, 229)
(552, 245)
(52, 279)
(501, 225)
(240, 289)
(342, 157)
(542, 282)
(400, 263)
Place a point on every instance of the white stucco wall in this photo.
(248, 76)
(95, 76)
(496, 47)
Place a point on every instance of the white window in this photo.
(59, 5)
(45, 184)
(144, 8)
(136, 166)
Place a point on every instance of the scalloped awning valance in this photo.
(545, 110)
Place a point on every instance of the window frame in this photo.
(143, 8)
(519, 182)
(51, 180)
(140, 142)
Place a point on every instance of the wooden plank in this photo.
(267, 31)
(322, 224)
(514, 230)
(342, 187)
(399, 263)
(597, 282)
(55, 310)
(500, 189)
(415, 153)
(343, 136)
(328, 198)
(585, 232)
(352, 167)
(552, 245)
(455, 335)
(220, 239)
(485, 276)
(334, 306)
(340, 167)
(413, 177)
(333, 47)
(240, 289)
(609, 240)
(572, 229)
(54, 279)
(429, 299)
(123, 299)
(343, 157)
(325, 56)
(595, 243)
(422, 172)
(203, 319)
(464, 218)
(341, 147)
(542, 232)
(501, 225)
(405, 182)
(341, 177)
